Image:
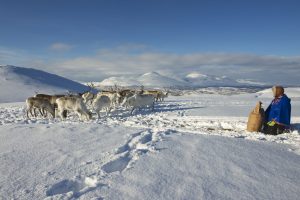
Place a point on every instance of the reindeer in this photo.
(157, 94)
(126, 94)
(101, 102)
(88, 96)
(154, 93)
(41, 104)
(72, 103)
(139, 101)
(114, 97)
(162, 95)
(52, 100)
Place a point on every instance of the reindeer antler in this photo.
(116, 87)
(91, 86)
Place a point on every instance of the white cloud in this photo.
(14, 56)
(61, 47)
(7, 54)
(138, 59)
(107, 63)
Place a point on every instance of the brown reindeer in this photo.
(52, 100)
(41, 104)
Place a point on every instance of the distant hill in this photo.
(151, 79)
(18, 83)
(292, 92)
(203, 80)
(154, 79)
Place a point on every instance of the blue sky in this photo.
(50, 33)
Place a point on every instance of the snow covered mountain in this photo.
(154, 79)
(18, 83)
(125, 81)
(151, 79)
(203, 80)
(292, 92)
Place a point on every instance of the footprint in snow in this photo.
(119, 165)
(73, 187)
(137, 144)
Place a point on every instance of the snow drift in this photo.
(17, 83)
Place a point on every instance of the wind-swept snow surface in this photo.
(192, 147)
(18, 83)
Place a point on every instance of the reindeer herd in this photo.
(61, 105)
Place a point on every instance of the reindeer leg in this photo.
(98, 113)
(40, 110)
(45, 111)
(132, 110)
(35, 115)
(31, 112)
(27, 113)
(61, 114)
(86, 114)
(108, 110)
(53, 113)
(65, 113)
(79, 114)
(58, 112)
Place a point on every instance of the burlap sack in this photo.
(256, 118)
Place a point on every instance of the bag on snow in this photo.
(256, 118)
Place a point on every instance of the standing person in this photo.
(278, 114)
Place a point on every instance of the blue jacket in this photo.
(279, 110)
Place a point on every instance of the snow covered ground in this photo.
(192, 147)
